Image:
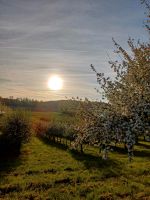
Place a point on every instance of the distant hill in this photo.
(64, 106)
(33, 105)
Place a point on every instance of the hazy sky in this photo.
(39, 38)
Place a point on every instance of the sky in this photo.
(40, 38)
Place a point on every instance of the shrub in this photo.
(40, 128)
(15, 131)
(55, 130)
(70, 132)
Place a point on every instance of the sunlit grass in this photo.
(51, 172)
(52, 116)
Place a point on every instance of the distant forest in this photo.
(33, 105)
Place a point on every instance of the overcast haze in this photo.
(39, 38)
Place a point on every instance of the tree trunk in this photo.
(125, 147)
(81, 148)
(136, 140)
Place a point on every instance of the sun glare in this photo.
(55, 83)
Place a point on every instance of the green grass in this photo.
(52, 116)
(46, 171)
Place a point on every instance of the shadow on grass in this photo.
(146, 146)
(7, 164)
(54, 144)
(93, 161)
(89, 161)
(136, 152)
(9, 157)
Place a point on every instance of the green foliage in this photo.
(40, 128)
(70, 132)
(64, 106)
(4, 109)
(69, 107)
(16, 129)
(55, 130)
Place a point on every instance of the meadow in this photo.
(46, 170)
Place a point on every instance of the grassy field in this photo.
(51, 171)
(52, 116)
(48, 171)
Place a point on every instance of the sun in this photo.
(55, 83)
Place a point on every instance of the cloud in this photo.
(4, 80)
(40, 38)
